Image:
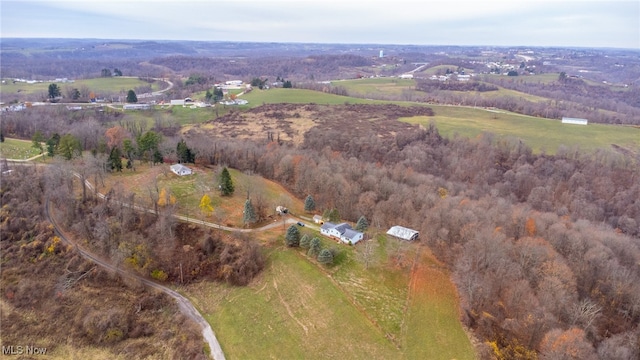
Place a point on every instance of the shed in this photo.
(181, 170)
(317, 219)
(574, 121)
(403, 233)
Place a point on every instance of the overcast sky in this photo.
(590, 23)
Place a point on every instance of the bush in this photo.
(325, 257)
(305, 241)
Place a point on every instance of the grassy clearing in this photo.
(293, 311)
(17, 149)
(188, 191)
(97, 85)
(430, 307)
(540, 134)
(300, 309)
(299, 96)
(371, 87)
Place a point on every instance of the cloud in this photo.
(500, 22)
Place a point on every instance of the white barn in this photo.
(403, 233)
(181, 170)
(574, 121)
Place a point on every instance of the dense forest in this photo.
(544, 249)
(47, 286)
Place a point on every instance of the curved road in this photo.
(184, 304)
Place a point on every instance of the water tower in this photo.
(381, 53)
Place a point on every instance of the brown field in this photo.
(289, 122)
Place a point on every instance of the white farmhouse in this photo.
(342, 232)
(181, 170)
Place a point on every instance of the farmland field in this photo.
(17, 149)
(538, 133)
(299, 309)
(97, 85)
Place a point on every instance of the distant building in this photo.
(136, 107)
(381, 53)
(403, 233)
(234, 82)
(406, 76)
(574, 121)
(180, 170)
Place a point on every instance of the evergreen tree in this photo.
(226, 184)
(362, 224)
(185, 155)
(115, 159)
(332, 215)
(305, 241)
(325, 257)
(249, 216)
(157, 157)
(314, 247)
(37, 140)
(309, 204)
(132, 97)
(69, 146)
(293, 236)
(54, 91)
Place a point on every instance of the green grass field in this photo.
(298, 96)
(17, 149)
(97, 85)
(300, 309)
(538, 133)
(372, 87)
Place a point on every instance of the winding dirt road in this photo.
(184, 304)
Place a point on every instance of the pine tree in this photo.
(132, 97)
(249, 216)
(226, 184)
(309, 204)
(362, 224)
(314, 247)
(293, 236)
(305, 241)
(325, 257)
(115, 159)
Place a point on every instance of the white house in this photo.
(406, 76)
(574, 121)
(234, 82)
(342, 232)
(181, 170)
(179, 102)
(403, 233)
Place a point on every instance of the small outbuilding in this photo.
(181, 170)
(318, 219)
(403, 233)
(574, 121)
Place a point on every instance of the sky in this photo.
(574, 23)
